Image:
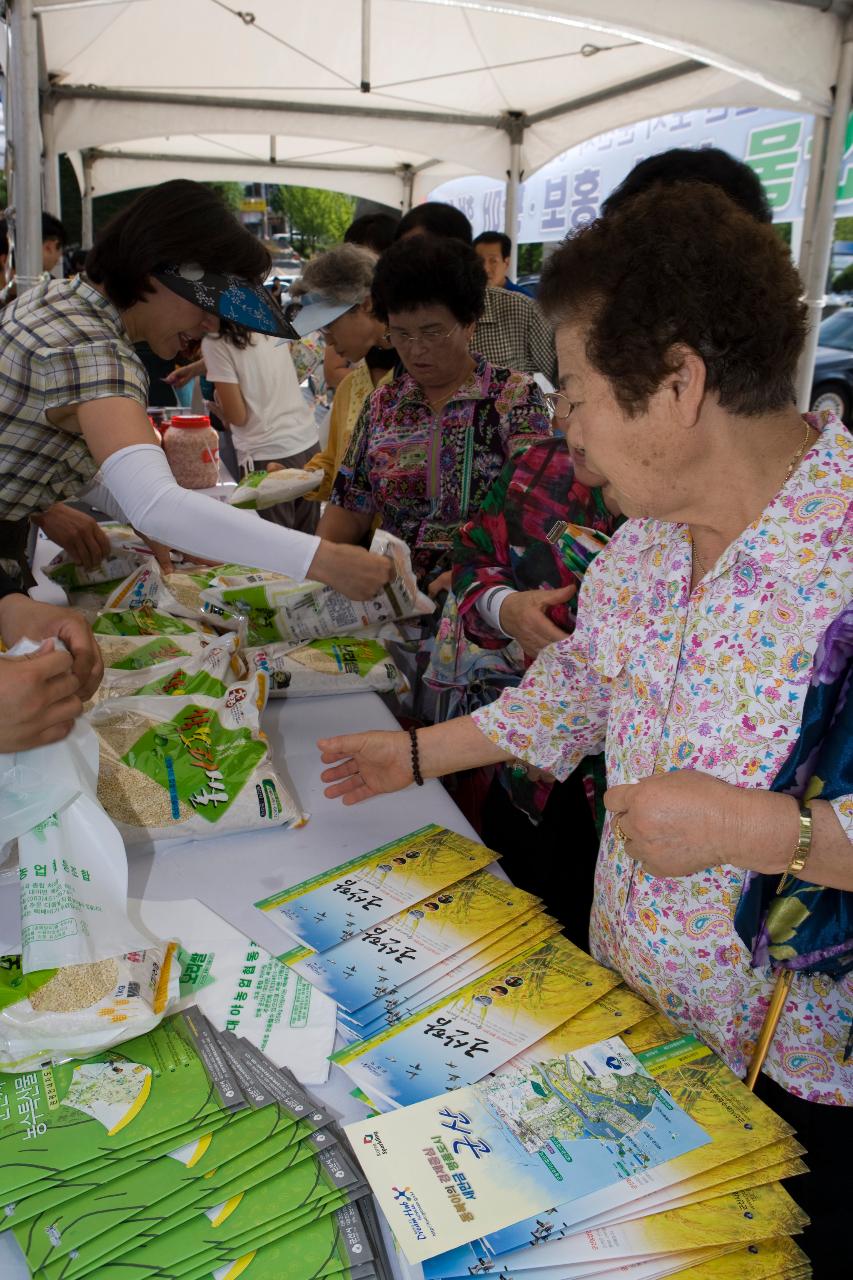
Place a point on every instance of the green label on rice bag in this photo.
(262, 627)
(15, 985)
(149, 655)
(197, 760)
(180, 684)
(140, 622)
(352, 655)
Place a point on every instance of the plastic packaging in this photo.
(192, 450)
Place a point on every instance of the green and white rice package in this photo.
(178, 593)
(126, 553)
(72, 1012)
(147, 622)
(336, 664)
(261, 489)
(188, 767)
(283, 610)
(138, 653)
(210, 671)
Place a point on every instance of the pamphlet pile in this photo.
(577, 1161)
(186, 1153)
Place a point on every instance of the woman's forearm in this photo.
(773, 830)
(456, 745)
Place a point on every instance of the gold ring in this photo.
(617, 829)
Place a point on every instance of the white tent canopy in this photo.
(388, 98)
(374, 95)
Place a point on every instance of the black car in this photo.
(832, 384)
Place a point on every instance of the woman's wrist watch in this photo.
(800, 855)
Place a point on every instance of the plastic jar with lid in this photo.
(192, 450)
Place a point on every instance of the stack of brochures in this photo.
(595, 1160)
(184, 1153)
(538, 1120)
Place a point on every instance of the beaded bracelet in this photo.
(416, 760)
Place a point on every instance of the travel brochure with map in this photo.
(457, 1167)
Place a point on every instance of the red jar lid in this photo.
(189, 420)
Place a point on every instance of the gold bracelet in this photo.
(804, 844)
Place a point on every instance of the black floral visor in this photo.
(228, 296)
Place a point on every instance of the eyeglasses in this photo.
(560, 407)
(429, 338)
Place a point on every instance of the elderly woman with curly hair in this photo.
(679, 325)
(428, 446)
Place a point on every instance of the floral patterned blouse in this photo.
(421, 472)
(662, 678)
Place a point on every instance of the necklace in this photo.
(792, 466)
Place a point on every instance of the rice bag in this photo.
(177, 593)
(146, 621)
(210, 672)
(280, 609)
(261, 489)
(55, 1014)
(335, 664)
(135, 653)
(126, 553)
(184, 767)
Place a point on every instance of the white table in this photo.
(229, 873)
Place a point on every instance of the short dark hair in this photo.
(52, 229)
(707, 164)
(236, 335)
(683, 264)
(495, 237)
(175, 222)
(426, 271)
(372, 231)
(436, 218)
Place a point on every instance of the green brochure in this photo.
(333, 1244)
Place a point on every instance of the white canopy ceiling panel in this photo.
(444, 76)
(117, 172)
(703, 87)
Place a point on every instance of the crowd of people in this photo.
(638, 548)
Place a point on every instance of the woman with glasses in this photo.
(428, 446)
(332, 298)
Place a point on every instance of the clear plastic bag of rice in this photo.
(146, 621)
(136, 653)
(210, 671)
(175, 768)
(261, 489)
(51, 1015)
(178, 593)
(280, 609)
(335, 664)
(81, 982)
(127, 552)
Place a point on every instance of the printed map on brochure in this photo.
(451, 1169)
(334, 906)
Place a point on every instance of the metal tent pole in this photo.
(816, 163)
(824, 222)
(25, 168)
(515, 132)
(87, 233)
(407, 177)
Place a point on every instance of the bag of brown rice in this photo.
(146, 621)
(261, 489)
(136, 653)
(178, 593)
(184, 767)
(284, 610)
(51, 1015)
(336, 664)
(210, 672)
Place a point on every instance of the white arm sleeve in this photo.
(489, 608)
(140, 481)
(99, 497)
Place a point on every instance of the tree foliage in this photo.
(230, 192)
(315, 217)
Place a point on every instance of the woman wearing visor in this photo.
(332, 297)
(73, 392)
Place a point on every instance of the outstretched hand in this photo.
(371, 764)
